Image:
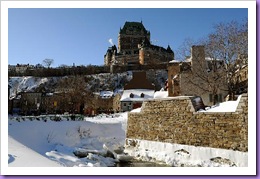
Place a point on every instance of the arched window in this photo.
(131, 95)
(142, 95)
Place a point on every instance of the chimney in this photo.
(198, 57)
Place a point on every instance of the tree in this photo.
(229, 42)
(183, 52)
(74, 93)
(47, 62)
(205, 76)
(224, 48)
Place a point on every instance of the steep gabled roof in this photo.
(134, 26)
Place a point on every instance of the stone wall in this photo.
(174, 120)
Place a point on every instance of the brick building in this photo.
(135, 48)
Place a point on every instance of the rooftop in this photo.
(134, 26)
(137, 95)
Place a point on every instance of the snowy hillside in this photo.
(97, 82)
(28, 84)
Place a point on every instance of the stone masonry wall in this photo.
(175, 121)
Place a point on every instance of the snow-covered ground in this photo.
(100, 142)
(38, 142)
(20, 155)
(50, 143)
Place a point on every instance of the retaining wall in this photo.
(174, 120)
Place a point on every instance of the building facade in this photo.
(135, 48)
(136, 92)
(30, 102)
(198, 76)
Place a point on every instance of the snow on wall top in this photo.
(161, 94)
(228, 106)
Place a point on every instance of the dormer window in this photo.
(131, 95)
(142, 95)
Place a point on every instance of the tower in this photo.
(132, 34)
(109, 57)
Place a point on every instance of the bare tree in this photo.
(183, 52)
(225, 48)
(200, 74)
(204, 76)
(75, 93)
(229, 42)
(47, 62)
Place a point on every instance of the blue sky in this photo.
(81, 36)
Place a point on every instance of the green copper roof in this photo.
(134, 26)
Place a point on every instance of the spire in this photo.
(169, 49)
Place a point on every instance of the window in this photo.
(131, 95)
(142, 95)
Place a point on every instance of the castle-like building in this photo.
(135, 48)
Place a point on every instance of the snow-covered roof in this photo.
(137, 94)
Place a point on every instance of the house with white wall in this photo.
(136, 91)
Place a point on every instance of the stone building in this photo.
(240, 77)
(241, 80)
(21, 68)
(135, 48)
(198, 76)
